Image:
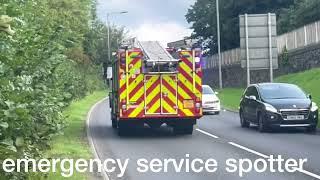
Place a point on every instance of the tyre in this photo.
(244, 123)
(114, 124)
(312, 129)
(114, 121)
(262, 127)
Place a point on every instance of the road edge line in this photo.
(308, 173)
(93, 149)
(249, 150)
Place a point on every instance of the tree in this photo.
(202, 16)
(43, 67)
(300, 13)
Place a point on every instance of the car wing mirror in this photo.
(216, 93)
(309, 96)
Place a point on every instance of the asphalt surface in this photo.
(216, 136)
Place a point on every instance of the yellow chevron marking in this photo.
(171, 96)
(152, 95)
(154, 107)
(135, 83)
(186, 68)
(166, 106)
(151, 81)
(123, 95)
(137, 110)
(135, 67)
(137, 95)
(183, 94)
(185, 82)
(131, 58)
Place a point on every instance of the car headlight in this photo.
(270, 108)
(314, 107)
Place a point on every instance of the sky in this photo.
(161, 20)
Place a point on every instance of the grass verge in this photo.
(73, 144)
(309, 81)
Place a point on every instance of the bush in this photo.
(42, 69)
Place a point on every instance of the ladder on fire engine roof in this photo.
(155, 53)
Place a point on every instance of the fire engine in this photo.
(150, 86)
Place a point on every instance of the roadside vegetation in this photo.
(72, 143)
(309, 81)
(51, 54)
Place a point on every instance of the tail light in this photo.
(123, 60)
(198, 57)
(124, 107)
(198, 105)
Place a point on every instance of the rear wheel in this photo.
(114, 121)
(114, 124)
(262, 125)
(244, 123)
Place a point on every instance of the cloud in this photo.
(161, 20)
(163, 32)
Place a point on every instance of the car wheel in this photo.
(312, 129)
(244, 123)
(262, 125)
(114, 124)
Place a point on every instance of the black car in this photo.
(277, 105)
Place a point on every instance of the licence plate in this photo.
(188, 104)
(297, 117)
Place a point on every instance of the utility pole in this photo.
(219, 44)
(108, 31)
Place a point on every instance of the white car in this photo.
(210, 101)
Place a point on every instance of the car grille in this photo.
(294, 112)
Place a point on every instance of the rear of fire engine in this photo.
(151, 87)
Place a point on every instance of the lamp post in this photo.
(108, 29)
(219, 44)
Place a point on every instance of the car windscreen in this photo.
(207, 90)
(281, 91)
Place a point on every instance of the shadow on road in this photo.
(285, 130)
(146, 132)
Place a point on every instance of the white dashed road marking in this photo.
(257, 153)
(208, 134)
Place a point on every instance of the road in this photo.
(216, 136)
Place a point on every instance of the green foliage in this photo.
(96, 43)
(284, 57)
(43, 67)
(300, 13)
(291, 14)
(202, 15)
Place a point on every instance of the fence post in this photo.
(305, 36)
(317, 36)
(286, 39)
(295, 40)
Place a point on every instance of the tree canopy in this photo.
(202, 17)
(51, 56)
